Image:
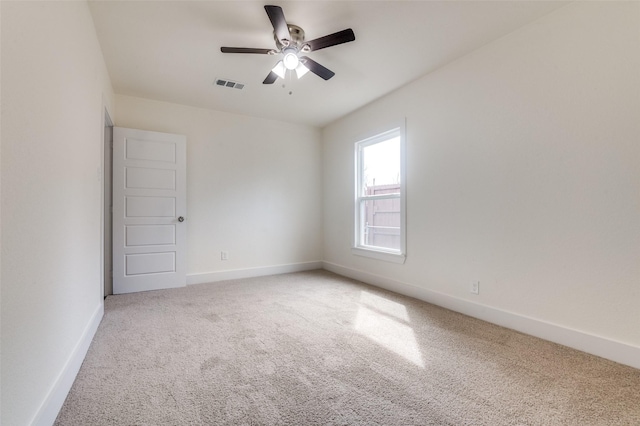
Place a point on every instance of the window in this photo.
(380, 197)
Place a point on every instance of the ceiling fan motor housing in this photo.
(297, 38)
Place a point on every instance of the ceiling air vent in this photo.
(228, 83)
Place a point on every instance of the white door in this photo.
(149, 210)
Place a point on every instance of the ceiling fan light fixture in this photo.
(301, 70)
(279, 70)
(290, 59)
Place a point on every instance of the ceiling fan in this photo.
(291, 44)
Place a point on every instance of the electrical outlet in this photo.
(475, 287)
(224, 255)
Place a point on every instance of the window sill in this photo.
(387, 256)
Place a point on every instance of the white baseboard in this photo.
(595, 345)
(234, 274)
(50, 407)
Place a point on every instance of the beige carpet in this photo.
(314, 348)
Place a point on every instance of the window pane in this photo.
(381, 223)
(379, 217)
(381, 167)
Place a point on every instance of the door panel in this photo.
(144, 235)
(151, 150)
(150, 206)
(149, 195)
(150, 263)
(145, 178)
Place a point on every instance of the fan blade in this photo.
(271, 78)
(340, 37)
(280, 27)
(316, 68)
(245, 50)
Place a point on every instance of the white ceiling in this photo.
(170, 50)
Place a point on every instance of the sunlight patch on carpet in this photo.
(386, 323)
(386, 306)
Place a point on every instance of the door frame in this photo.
(106, 204)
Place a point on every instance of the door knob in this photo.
(180, 219)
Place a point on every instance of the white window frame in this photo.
(390, 255)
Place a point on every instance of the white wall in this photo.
(523, 173)
(53, 84)
(254, 186)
